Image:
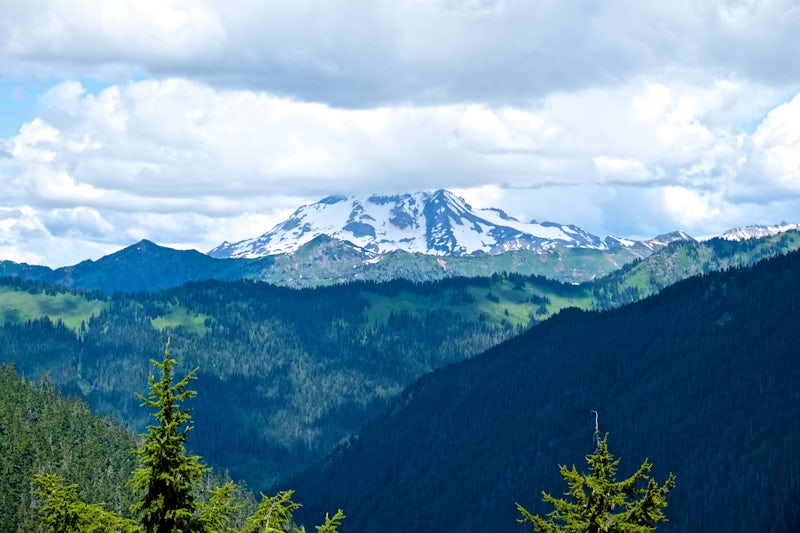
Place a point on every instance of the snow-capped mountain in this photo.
(754, 232)
(658, 242)
(436, 223)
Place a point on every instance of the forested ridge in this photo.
(284, 373)
(683, 259)
(41, 431)
(701, 379)
(64, 469)
(146, 266)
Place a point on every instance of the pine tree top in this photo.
(598, 503)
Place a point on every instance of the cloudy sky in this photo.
(192, 122)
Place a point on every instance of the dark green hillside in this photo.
(146, 266)
(23, 270)
(40, 431)
(685, 258)
(325, 261)
(284, 374)
(702, 379)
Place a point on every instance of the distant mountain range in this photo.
(754, 232)
(419, 237)
(434, 223)
(144, 266)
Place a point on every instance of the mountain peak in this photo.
(145, 244)
(436, 223)
(741, 233)
(330, 200)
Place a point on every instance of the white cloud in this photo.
(690, 207)
(81, 222)
(166, 158)
(777, 146)
(146, 33)
(178, 137)
(25, 239)
(34, 142)
(361, 54)
(21, 235)
(190, 122)
(621, 168)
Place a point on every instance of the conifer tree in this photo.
(274, 515)
(168, 477)
(168, 483)
(602, 504)
(63, 512)
(220, 509)
(331, 523)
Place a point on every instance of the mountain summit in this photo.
(435, 223)
(754, 232)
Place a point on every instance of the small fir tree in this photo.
(331, 522)
(602, 504)
(274, 515)
(168, 477)
(62, 512)
(220, 510)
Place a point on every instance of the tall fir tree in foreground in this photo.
(168, 475)
(602, 504)
(169, 483)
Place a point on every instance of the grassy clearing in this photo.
(504, 302)
(18, 306)
(381, 306)
(179, 316)
(638, 278)
(499, 302)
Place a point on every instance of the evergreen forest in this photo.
(43, 432)
(284, 374)
(701, 380)
(66, 470)
(455, 398)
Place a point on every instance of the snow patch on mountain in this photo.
(436, 223)
(660, 241)
(753, 232)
